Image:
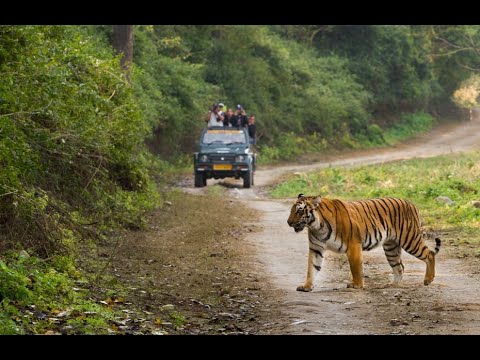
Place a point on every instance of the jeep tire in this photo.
(248, 179)
(200, 179)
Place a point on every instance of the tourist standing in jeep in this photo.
(240, 117)
(252, 129)
(214, 116)
(229, 118)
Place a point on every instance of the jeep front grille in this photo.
(219, 158)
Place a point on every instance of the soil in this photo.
(190, 271)
(273, 257)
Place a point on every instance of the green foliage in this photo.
(12, 284)
(73, 163)
(375, 134)
(170, 90)
(46, 288)
(455, 50)
(390, 61)
(7, 325)
(291, 146)
(182, 70)
(285, 84)
(345, 84)
(408, 126)
(71, 138)
(341, 82)
(177, 319)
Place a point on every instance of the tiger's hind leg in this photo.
(393, 252)
(430, 273)
(420, 250)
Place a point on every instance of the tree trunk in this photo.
(123, 43)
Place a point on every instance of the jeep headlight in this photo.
(239, 158)
(203, 158)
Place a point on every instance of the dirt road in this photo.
(450, 305)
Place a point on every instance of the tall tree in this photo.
(123, 43)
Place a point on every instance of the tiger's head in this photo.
(302, 212)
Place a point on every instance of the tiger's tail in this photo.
(438, 245)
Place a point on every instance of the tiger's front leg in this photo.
(355, 259)
(315, 260)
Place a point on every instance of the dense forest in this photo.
(309, 86)
(83, 140)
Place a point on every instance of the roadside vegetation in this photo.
(291, 146)
(74, 167)
(423, 181)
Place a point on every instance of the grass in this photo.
(455, 176)
(178, 320)
(409, 126)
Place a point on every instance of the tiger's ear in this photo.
(301, 196)
(317, 200)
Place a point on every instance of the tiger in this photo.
(352, 227)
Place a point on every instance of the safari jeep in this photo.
(224, 152)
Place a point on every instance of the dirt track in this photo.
(450, 305)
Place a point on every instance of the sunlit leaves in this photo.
(467, 95)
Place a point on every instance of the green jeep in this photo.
(224, 152)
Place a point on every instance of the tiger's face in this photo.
(301, 213)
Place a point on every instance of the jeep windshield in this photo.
(224, 137)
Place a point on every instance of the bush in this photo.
(290, 146)
(375, 134)
(409, 125)
(71, 139)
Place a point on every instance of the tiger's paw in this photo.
(354, 286)
(304, 288)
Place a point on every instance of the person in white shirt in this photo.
(214, 116)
